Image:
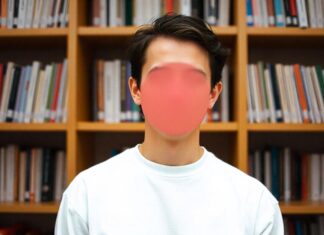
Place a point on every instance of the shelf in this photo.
(285, 37)
(219, 127)
(18, 207)
(139, 127)
(50, 32)
(302, 208)
(284, 32)
(282, 127)
(128, 31)
(52, 127)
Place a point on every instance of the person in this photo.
(169, 184)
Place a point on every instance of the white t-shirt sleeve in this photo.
(71, 218)
(269, 219)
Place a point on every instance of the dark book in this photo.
(15, 13)
(108, 11)
(320, 78)
(128, 12)
(298, 176)
(48, 169)
(197, 8)
(28, 174)
(287, 8)
(275, 172)
(13, 94)
(275, 90)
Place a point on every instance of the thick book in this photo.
(48, 175)
(275, 91)
(301, 93)
(13, 94)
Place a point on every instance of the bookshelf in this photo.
(83, 139)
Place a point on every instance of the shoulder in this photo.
(102, 173)
(234, 177)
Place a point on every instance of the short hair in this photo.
(179, 27)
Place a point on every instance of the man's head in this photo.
(176, 71)
(181, 28)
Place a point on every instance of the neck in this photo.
(176, 152)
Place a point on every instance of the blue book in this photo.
(24, 94)
(249, 13)
(275, 172)
(298, 227)
(279, 13)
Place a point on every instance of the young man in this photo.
(169, 184)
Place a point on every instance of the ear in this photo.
(214, 94)
(134, 90)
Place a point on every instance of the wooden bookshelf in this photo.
(80, 40)
(30, 208)
(50, 32)
(279, 127)
(48, 127)
(139, 127)
(302, 208)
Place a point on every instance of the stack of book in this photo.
(127, 12)
(285, 13)
(33, 13)
(31, 174)
(285, 93)
(31, 94)
(311, 225)
(288, 175)
(111, 96)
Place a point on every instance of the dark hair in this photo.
(180, 27)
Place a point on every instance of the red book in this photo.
(293, 8)
(169, 6)
(301, 93)
(56, 91)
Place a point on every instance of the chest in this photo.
(164, 209)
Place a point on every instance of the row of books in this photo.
(285, 93)
(18, 229)
(112, 101)
(310, 225)
(139, 12)
(285, 13)
(31, 94)
(33, 13)
(30, 174)
(111, 98)
(289, 175)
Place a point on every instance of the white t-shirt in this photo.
(131, 195)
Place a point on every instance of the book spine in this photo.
(249, 13)
(13, 94)
(280, 19)
(302, 14)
